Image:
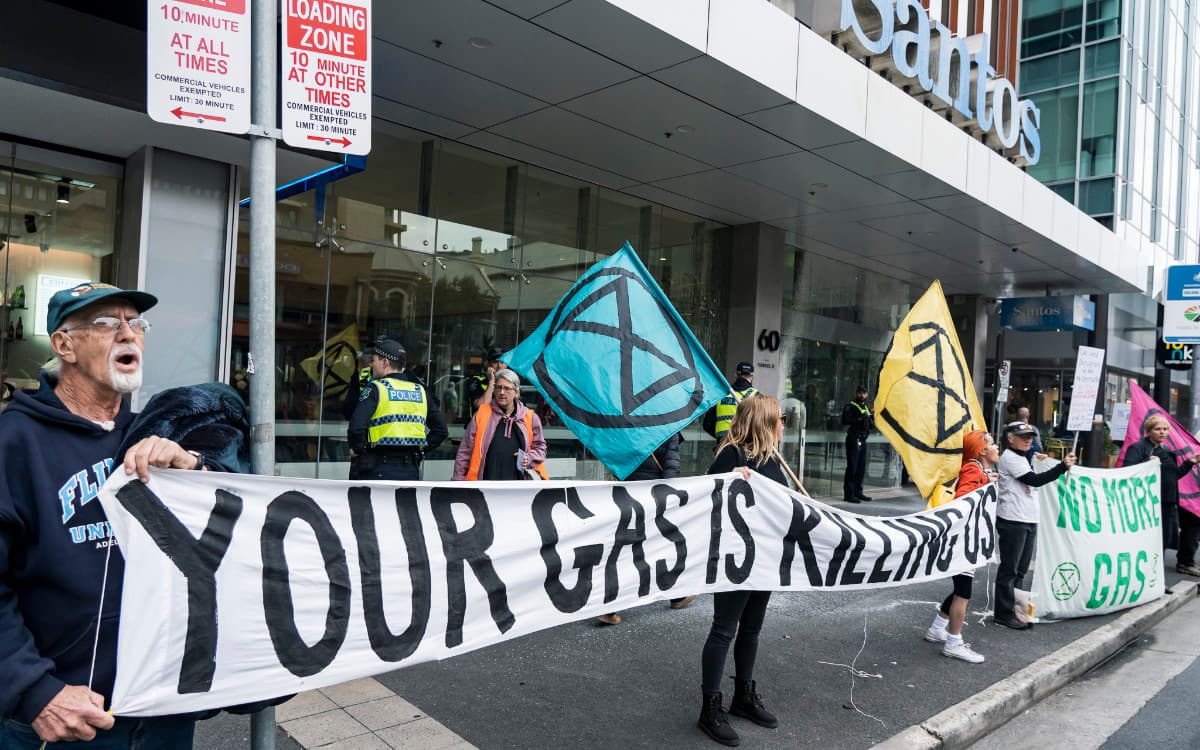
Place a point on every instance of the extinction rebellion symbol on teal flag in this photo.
(618, 364)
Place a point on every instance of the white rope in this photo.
(987, 602)
(856, 672)
(100, 613)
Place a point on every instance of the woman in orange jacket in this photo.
(980, 456)
(502, 433)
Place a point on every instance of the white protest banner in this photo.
(198, 63)
(1088, 365)
(1099, 545)
(242, 588)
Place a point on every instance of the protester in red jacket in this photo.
(980, 455)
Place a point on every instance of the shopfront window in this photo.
(451, 251)
(58, 218)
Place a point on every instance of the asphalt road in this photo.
(636, 685)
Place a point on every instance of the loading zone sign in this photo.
(326, 75)
(198, 63)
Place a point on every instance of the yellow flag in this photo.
(340, 359)
(926, 400)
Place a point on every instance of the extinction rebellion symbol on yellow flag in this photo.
(339, 361)
(926, 400)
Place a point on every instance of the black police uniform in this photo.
(859, 422)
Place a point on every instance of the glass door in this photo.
(58, 218)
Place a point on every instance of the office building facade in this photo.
(771, 179)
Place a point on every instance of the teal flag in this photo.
(618, 364)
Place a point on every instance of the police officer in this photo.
(477, 385)
(388, 430)
(859, 421)
(717, 419)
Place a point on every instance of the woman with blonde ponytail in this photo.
(752, 443)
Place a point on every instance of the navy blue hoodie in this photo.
(53, 544)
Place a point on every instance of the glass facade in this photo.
(58, 228)
(1116, 85)
(837, 323)
(452, 250)
(1070, 66)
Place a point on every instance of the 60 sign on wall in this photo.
(768, 341)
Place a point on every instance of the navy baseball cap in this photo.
(69, 301)
(494, 354)
(745, 368)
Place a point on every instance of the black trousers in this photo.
(1017, 542)
(1189, 537)
(735, 614)
(405, 467)
(1170, 526)
(856, 467)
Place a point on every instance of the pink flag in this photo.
(1179, 439)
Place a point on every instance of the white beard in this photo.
(124, 382)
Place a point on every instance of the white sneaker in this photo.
(935, 635)
(962, 651)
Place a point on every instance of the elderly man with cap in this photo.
(60, 588)
(859, 420)
(717, 419)
(395, 422)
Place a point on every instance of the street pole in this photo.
(263, 133)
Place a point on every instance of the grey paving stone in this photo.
(357, 691)
(324, 728)
(385, 712)
(422, 734)
(304, 704)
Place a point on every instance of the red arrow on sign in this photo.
(344, 141)
(178, 112)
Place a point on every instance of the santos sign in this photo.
(906, 30)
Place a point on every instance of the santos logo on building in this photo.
(945, 66)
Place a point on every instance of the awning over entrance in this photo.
(732, 110)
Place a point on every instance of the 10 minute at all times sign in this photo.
(326, 72)
(198, 63)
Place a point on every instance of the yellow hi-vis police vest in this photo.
(727, 407)
(399, 418)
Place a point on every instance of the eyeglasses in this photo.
(108, 325)
(504, 388)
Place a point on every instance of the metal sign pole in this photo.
(262, 275)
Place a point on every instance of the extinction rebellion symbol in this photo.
(948, 378)
(1065, 580)
(589, 311)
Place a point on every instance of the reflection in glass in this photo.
(1059, 128)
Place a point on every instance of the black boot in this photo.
(748, 704)
(715, 723)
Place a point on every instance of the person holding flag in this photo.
(1178, 523)
(979, 457)
(1017, 517)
